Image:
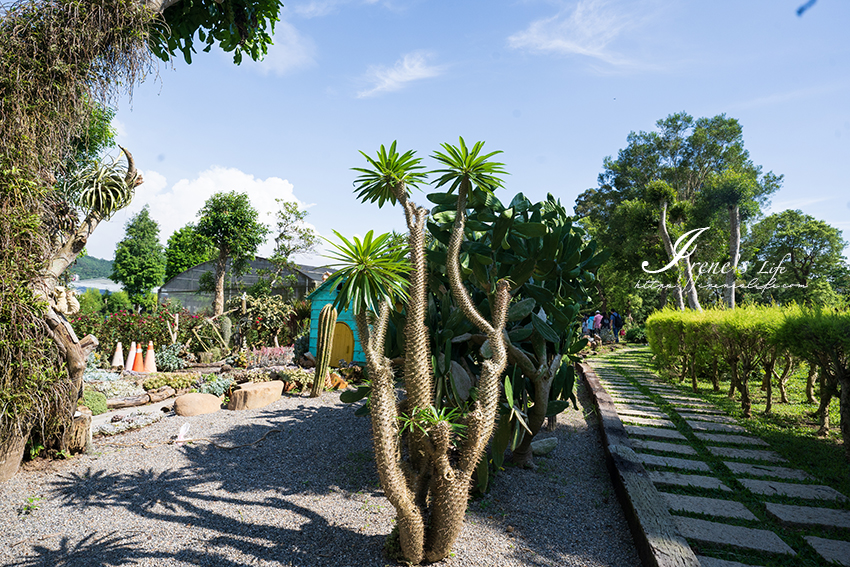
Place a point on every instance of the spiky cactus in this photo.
(324, 343)
(429, 486)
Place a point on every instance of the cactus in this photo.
(324, 342)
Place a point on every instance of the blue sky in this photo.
(555, 85)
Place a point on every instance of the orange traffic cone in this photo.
(118, 357)
(138, 363)
(131, 356)
(150, 359)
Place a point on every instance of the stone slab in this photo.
(714, 562)
(809, 515)
(673, 462)
(648, 421)
(766, 470)
(637, 407)
(754, 454)
(806, 491)
(661, 446)
(734, 439)
(707, 417)
(683, 399)
(643, 413)
(657, 432)
(708, 506)
(695, 480)
(693, 406)
(630, 398)
(711, 426)
(832, 550)
(708, 409)
(736, 536)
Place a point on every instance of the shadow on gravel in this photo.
(298, 460)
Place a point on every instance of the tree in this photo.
(804, 256)
(230, 223)
(692, 158)
(139, 263)
(68, 59)
(294, 237)
(186, 249)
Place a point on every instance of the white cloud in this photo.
(320, 8)
(291, 51)
(411, 67)
(120, 129)
(588, 28)
(175, 206)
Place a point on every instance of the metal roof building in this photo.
(184, 286)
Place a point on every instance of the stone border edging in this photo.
(658, 541)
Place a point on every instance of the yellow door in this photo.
(343, 347)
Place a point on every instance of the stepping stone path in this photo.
(650, 408)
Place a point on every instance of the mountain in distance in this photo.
(87, 268)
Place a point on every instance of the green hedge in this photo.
(749, 341)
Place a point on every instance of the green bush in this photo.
(176, 381)
(636, 335)
(95, 401)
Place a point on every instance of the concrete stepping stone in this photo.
(766, 470)
(832, 550)
(712, 426)
(673, 462)
(809, 515)
(683, 399)
(710, 410)
(707, 417)
(663, 478)
(806, 491)
(714, 562)
(642, 413)
(647, 421)
(743, 538)
(661, 446)
(637, 407)
(735, 439)
(754, 454)
(657, 432)
(708, 506)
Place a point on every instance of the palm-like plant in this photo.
(390, 177)
(429, 490)
(372, 271)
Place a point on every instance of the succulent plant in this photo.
(324, 343)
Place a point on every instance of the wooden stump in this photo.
(79, 436)
(11, 454)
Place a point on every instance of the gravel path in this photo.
(305, 496)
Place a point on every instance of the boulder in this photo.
(196, 404)
(253, 395)
(544, 446)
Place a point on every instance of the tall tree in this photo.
(186, 249)
(230, 222)
(292, 237)
(803, 254)
(686, 154)
(67, 57)
(139, 264)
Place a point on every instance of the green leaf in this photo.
(530, 229)
(521, 334)
(352, 396)
(521, 309)
(546, 331)
(556, 406)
